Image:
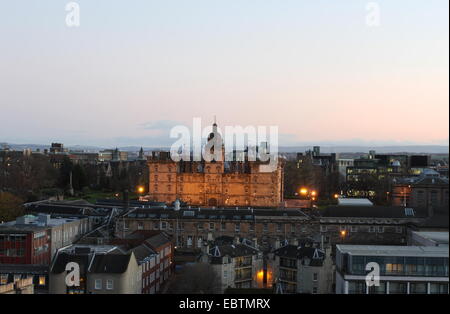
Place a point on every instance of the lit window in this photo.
(42, 280)
(3, 279)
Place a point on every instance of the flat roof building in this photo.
(402, 269)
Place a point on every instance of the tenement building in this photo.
(302, 269)
(193, 227)
(237, 265)
(359, 224)
(214, 183)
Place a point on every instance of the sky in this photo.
(315, 68)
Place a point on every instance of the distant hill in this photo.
(417, 149)
(424, 149)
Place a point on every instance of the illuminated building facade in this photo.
(214, 184)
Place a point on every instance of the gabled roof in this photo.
(63, 258)
(110, 263)
(157, 241)
(141, 252)
(232, 250)
(315, 255)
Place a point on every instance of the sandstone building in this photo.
(216, 183)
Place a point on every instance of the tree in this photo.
(10, 206)
(79, 178)
(64, 172)
(199, 278)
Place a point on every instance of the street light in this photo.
(141, 189)
(303, 191)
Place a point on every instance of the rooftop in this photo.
(378, 250)
(354, 202)
(374, 212)
(439, 238)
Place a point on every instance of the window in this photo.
(353, 229)
(237, 227)
(397, 287)
(3, 279)
(314, 290)
(140, 225)
(109, 284)
(211, 226)
(399, 229)
(418, 288)
(252, 227)
(438, 288)
(315, 276)
(380, 229)
(371, 229)
(265, 227)
(98, 284)
(279, 227)
(223, 226)
(42, 280)
(323, 228)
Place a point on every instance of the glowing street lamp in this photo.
(336, 195)
(303, 191)
(141, 189)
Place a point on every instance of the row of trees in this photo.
(36, 176)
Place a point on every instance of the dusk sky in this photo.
(135, 68)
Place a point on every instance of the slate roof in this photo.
(243, 214)
(372, 212)
(110, 263)
(157, 240)
(63, 258)
(315, 255)
(439, 220)
(231, 250)
(23, 269)
(141, 252)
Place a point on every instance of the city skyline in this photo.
(129, 73)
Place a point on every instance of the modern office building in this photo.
(403, 269)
